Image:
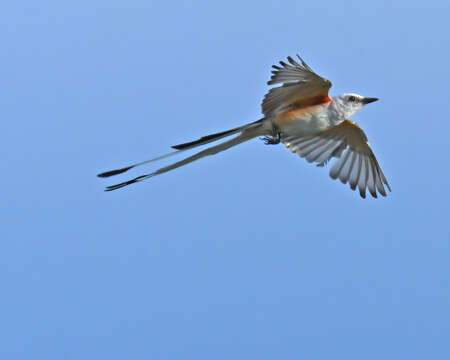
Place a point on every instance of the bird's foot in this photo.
(272, 140)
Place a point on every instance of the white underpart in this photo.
(320, 117)
(309, 122)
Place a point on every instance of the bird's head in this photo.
(348, 104)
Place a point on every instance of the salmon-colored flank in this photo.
(300, 106)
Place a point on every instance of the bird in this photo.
(300, 114)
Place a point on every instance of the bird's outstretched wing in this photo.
(299, 81)
(356, 162)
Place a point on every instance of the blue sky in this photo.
(253, 253)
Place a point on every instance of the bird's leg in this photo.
(273, 139)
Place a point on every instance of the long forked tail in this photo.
(247, 132)
(185, 146)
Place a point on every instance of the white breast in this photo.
(309, 120)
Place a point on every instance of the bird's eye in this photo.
(351, 98)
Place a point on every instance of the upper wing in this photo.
(299, 82)
(356, 162)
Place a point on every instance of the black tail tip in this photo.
(118, 186)
(129, 182)
(114, 172)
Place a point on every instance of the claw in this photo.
(272, 140)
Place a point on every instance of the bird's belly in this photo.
(302, 122)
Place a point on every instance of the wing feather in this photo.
(298, 81)
(356, 164)
(371, 178)
(362, 176)
(306, 151)
(325, 152)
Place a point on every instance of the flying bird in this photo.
(300, 114)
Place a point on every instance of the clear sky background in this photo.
(250, 254)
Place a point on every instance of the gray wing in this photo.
(356, 163)
(299, 82)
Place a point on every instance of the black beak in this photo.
(368, 100)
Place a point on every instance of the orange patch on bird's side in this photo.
(300, 107)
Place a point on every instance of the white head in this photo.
(348, 104)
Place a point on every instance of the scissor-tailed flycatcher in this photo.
(310, 123)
